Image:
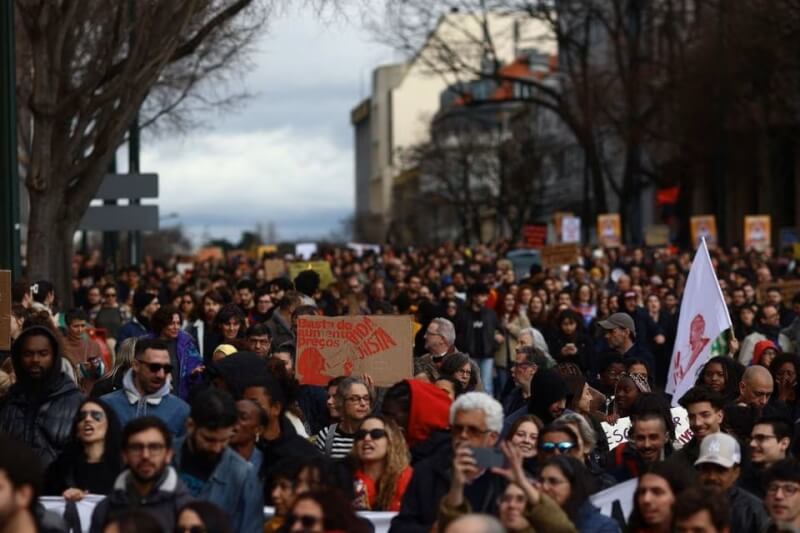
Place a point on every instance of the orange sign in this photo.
(609, 230)
(757, 232)
(704, 226)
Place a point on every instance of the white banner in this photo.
(703, 317)
(618, 433)
(620, 495)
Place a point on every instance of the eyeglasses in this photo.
(762, 438)
(156, 367)
(557, 447)
(789, 489)
(307, 521)
(190, 529)
(374, 434)
(97, 416)
(110, 295)
(151, 447)
(464, 371)
(472, 431)
(358, 399)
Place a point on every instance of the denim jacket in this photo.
(233, 486)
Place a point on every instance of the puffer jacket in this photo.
(40, 412)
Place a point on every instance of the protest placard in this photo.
(274, 268)
(616, 501)
(656, 235)
(617, 433)
(304, 250)
(571, 229)
(703, 226)
(555, 255)
(210, 253)
(787, 288)
(380, 346)
(609, 230)
(534, 235)
(5, 310)
(757, 232)
(323, 268)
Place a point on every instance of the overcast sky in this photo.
(286, 155)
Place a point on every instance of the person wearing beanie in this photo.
(548, 399)
(144, 305)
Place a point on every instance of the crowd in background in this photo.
(171, 390)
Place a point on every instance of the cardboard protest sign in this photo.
(571, 229)
(656, 235)
(703, 226)
(788, 290)
(265, 249)
(210, 253)
(535, 235)
(757, 232)
(609, 230)
(323, 268)
(555, 255)
(618, 433)
(5, 309)
(274, 268)
(558, 221)
(380, 346)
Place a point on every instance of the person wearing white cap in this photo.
(719, 466)
(620, 333)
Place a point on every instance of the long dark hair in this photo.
(454, 362)
(580, 481)
(733, 371)
(337, 511)
(214, 519)
(677, 480)
(112, 444)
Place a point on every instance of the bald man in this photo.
(755, 388)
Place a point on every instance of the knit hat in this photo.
(547, 387)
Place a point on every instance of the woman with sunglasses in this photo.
(558, 439)
(323, 510)
(202, 517)
(567, 481)
(91, 462)
(381, 459)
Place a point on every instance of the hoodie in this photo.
(428, 410)
(128, 403)
(40, 412)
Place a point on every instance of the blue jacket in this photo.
(235, 488)
(128, 404)
(132, 328)
(591, 520)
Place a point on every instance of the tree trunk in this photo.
(51, 228)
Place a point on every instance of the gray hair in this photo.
(344, 389)
(446, 329)
(479, 401)
(537, 337)
(587, 434)
(476, 523)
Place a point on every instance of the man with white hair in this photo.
(476, 420)
(475, 523)
(440, 341)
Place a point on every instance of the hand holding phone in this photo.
(488, 457)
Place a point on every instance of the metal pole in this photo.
(134, 237)
(9, 171)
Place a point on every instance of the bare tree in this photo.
(84, 70)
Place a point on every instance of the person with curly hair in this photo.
(382, 461)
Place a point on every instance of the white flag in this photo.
(703, 317)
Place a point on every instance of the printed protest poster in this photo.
(556, 255)
(757, 232)
(617, 433)
(380, 346)
(571, 229)
(703, 226)
(609, 230)
(323, 268)
(5, 310)
(558, 223)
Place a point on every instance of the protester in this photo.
(527, 361)
(512, 322)
(144, 305)
(382, 464)
(354, 403)
(768, 445)
(701, 509)
(648, 443)
(146, 390)
(202, 516)
(91, 461)
(184, 357)
(211, 470)
(782, 483)
(658, 488)
(259, 339)
(481, 334)
(324, 510)
(705, 414)
(459, 367)
(620, 333)
(524, 435)
(785, 369)
(202, 328)
(719, 465)
(250, 423)
(722, 375)
(82, 352)
(40, 407)
(280, 324)
(440, 339)
(148, 483)
(20, 480)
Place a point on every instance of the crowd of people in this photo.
(171, 392)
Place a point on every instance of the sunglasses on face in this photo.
(560, 447)
(155, 367)
(374, 434)
(307, 521)
(97, 416)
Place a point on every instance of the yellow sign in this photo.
(609, 230)
(757, 232)
(704, 226)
